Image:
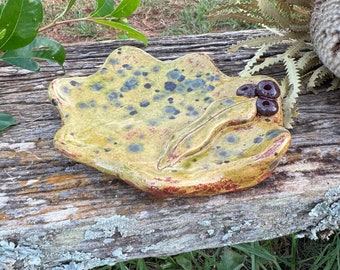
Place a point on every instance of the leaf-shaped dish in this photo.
(172, 128)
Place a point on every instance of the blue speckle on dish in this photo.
(227, 102)
(195, 84)
(155, 69)
(213, 77)
(133, 112)
(103, 70)
(114, 61)
(75, 83)
(130, 107)
(170, 100)
(120, 72)
(129, 85)
(135, 148)
(271, 134)
(208, 99)
(128, 127)
(118, 104)
(258, 140)
(66, 90)
(180, 88)
(232, 139)
(210, 77)
(170, 86)
(137, 73)
(96, 86)
(223, 153)
(210, 87)
(112, 96)
(82, 105)
(171, 110)
(153, 123)
(158, 97)
(144, 73)
(92, 104)
(191, 111)
(181, 78)
(174, 74)
(127, 66)
(144, 103)
(147, 85)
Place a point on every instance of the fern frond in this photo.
(292, 74)
(294, 87)
(284, 7)
(302, 3)
(258, 41)
(273, 14)
(308, 61)
(302, 26)
(335, 84)
(269, 61)
(319, 76)
(298, 35)
(294, 49)
(288, 113)
(239, 16)
(249, 6)
(253, 60)
(292, 19)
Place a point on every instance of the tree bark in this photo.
(325, 33)
(56, 213)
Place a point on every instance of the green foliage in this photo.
(193, 18)
(6, 120)
(21, 46)
(281, 253)
(301, 63)
(104, 7)
(20, 21)
(41, 48)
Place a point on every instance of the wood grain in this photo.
(61, 213)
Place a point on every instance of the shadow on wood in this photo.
(54, 212)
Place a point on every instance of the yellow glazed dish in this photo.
(170, 128)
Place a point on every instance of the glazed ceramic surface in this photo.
(172, 128)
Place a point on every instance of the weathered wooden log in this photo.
(325, 33)
(55, 212)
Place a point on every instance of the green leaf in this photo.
(20, 19)
(41, 48)
(125, 8)
(104, 8)
(231, 260)
(184, 262)
(68, 7)
(6, 120)
(2, 33)
(131, 32)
